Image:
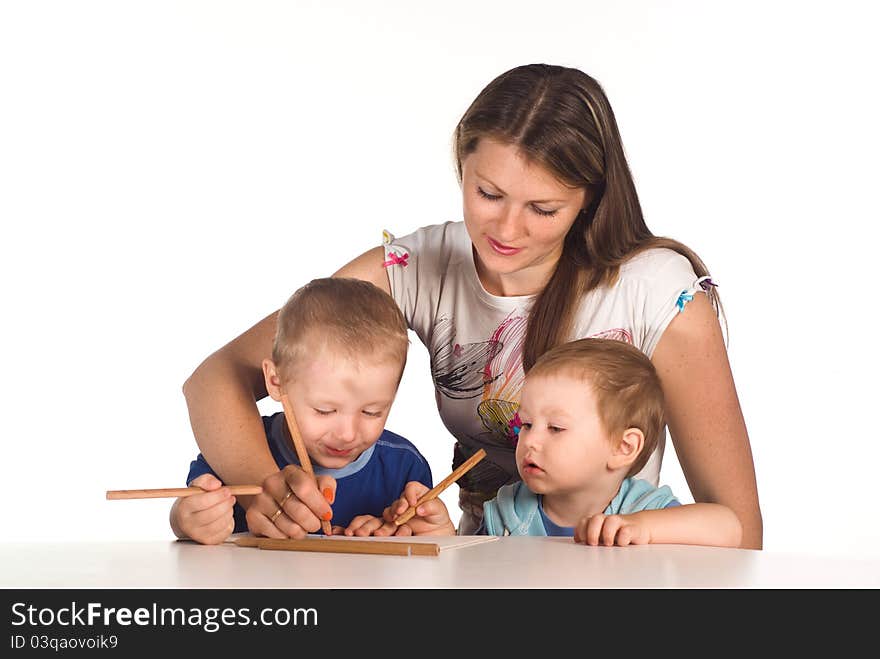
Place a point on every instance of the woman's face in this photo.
(517, 215)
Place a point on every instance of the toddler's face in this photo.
(562, 446)
(341, 405)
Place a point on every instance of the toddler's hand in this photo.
(609, 530)
(207, 517)
(431, 518)
(364, 525)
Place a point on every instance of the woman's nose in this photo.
(508, 224)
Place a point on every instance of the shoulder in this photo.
(636, 494)
(662, 262)
(392, 444)
(435, 232)
(448, 238)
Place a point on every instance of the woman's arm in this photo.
(222, 393)
(704, 417)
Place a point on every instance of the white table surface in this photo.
(511, 562)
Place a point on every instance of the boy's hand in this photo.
(205, 518)
(610, 530)
(291, 505)
(364, 525)
(431, 518)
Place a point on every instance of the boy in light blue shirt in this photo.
(590, 416)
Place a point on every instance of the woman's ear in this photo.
(629, 446)
(273, 382)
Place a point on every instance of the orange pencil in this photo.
(343, 545)
(301, 452)
(177, 492)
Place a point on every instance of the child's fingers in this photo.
(433, 512)
(207, 516)
(387, 528)
(412, 492)
(207, 482)
(391, 512)
(625, 536)
(216, 532)
(204, 501)
(222, 526)
(594, 529)
(355, 524)
(363, 525)
(402, 530)
(211, 525)
(610, 528)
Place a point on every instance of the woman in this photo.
(553, 247)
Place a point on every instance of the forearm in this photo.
(693, 524)
(751, 524)
(226, 423)
(704, 417)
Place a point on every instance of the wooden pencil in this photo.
(435, 491)
(159, 493)
(343, 546)
(301, 452)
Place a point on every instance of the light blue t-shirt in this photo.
(516, 510)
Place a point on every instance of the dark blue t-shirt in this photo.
(364, 487)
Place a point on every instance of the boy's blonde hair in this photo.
(624, 381)
(349, 316)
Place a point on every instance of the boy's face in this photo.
(562, 447)
(340, 404)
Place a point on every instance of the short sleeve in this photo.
(415, 265)
(666, 282)
(197, 468)
(636, 494)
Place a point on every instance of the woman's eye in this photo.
(545, 212)
(486, 195)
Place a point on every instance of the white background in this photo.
(171, 171)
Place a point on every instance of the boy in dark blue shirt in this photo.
(338, 356)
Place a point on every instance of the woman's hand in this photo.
(291, 504)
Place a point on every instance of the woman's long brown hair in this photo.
(561, 119)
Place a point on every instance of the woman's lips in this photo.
(503, 249)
